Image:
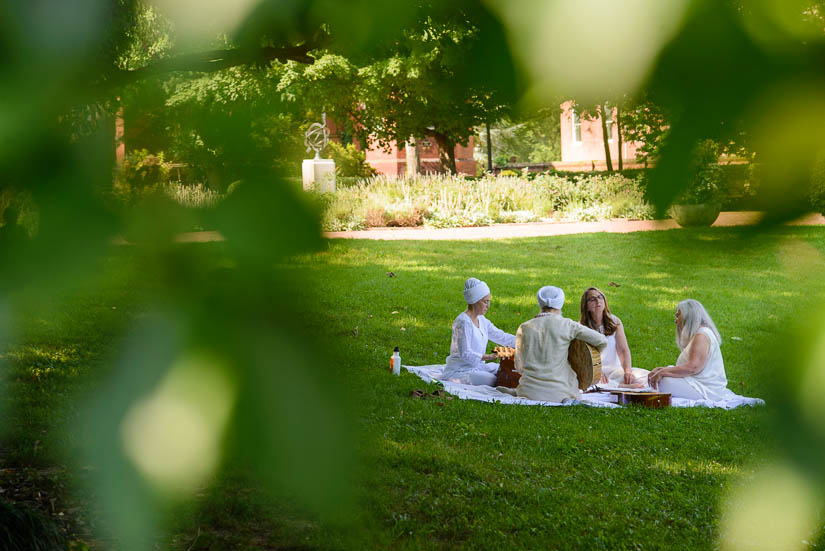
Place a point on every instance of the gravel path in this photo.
(540, 229)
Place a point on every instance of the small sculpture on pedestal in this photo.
(318, 173)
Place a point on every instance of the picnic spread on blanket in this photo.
(553, 360)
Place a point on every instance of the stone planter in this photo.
(696, 215)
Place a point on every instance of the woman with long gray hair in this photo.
(699, 373)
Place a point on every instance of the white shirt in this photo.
(711, 382)
(469, 343)
(541, 356)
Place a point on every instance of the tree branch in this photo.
(215, 60)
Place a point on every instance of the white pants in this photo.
(639, 375)
(480, 376)
(678, 387)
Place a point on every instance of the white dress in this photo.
(468, 345)
(709, 384)
(610, 359)
(612, 364)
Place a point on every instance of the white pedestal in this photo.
(318, 174)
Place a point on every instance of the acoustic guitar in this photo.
(586, 362)
(647, 399)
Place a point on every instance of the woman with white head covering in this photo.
(699, 373)
(467, 362)
(541, 350)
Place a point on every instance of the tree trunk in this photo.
(413, 158)
(605, 138)
(489, 150)
(619, 133)
(446, 153)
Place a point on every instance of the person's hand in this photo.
(656, 375)
(629, 379)
(489, 357)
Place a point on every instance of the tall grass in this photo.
(450, 201)
(195, 196)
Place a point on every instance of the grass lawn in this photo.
(452, 473)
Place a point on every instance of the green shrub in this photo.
(142, 173)
(705, 184)
(349, 161)
(339, 211)
(501, 160)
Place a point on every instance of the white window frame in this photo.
(573, 118)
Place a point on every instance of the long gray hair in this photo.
(694, 316)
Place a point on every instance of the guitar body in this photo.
(653, 400)
(586, 362)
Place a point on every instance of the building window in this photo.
(577, 127)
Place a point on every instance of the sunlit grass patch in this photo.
(446, 473)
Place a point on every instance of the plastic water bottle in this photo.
(395, 362)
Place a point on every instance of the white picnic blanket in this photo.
(430, 373)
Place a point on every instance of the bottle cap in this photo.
(395, 349)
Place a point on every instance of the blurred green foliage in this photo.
(706, 177)
(227, 90)
(140, 173)
(817, 192)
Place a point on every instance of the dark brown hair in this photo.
(607, 319)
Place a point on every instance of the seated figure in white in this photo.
(699, 373)
(542, 344)
(467, 362)
(617, 367)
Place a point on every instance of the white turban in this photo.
(475, 290)
(550, 297)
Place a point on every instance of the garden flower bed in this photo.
(440, 201)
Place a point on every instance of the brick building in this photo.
(393, 162)
(582, 145)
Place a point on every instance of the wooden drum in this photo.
(586, 362)
(507, 374)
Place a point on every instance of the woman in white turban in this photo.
(467, 362)
(541, 350)
(699, 373)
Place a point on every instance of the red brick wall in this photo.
(591, 146)
(394, 161)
